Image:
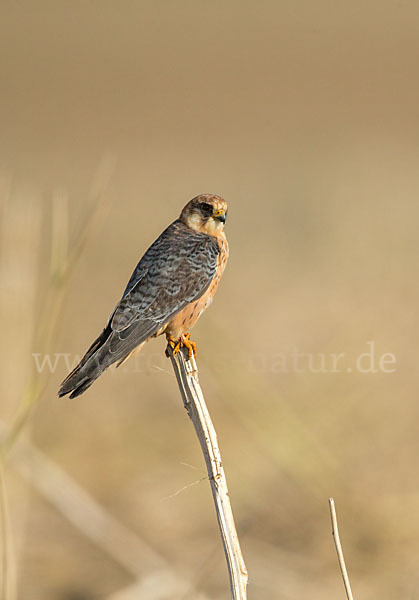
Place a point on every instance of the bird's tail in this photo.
(89, 368)
(96, 360)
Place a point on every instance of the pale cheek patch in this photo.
(195, 222)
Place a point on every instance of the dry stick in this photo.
(8, 575)
(335, 532)
(193, 399)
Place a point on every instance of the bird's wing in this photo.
(176, 270)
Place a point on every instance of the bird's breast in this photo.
(186, 318)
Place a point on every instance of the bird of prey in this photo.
(172, 285)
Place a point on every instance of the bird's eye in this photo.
(206, 209)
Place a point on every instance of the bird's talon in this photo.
(183, 342)
(191, 346)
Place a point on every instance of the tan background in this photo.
(304, 116)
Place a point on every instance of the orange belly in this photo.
(187, 318)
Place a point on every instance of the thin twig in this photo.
(185, 487)
(341, 559)
(8, 588)
(187, 377)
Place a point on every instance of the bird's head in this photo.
(206, 213)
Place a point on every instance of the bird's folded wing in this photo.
(176, 270)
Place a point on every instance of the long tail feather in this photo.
(88, 369)
(108, 348)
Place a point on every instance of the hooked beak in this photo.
(220, 215)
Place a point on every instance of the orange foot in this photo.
(183, 342)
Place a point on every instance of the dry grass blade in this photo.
(193, 399)
(62, 264)
(8, 572)
(94, 521)
(159, 585)
(341, 559)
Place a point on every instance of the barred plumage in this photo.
(170, 287)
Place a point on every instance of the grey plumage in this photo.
(176, 270)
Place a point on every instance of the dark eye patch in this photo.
(206, 209)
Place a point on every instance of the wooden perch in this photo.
(193, 399)
(339, 551)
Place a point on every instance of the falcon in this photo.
(171, 286)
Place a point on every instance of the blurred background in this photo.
(304, 116)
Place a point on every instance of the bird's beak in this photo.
(220, 215)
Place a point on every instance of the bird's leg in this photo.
(189, 344)
(183, 341)
(172, 343)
